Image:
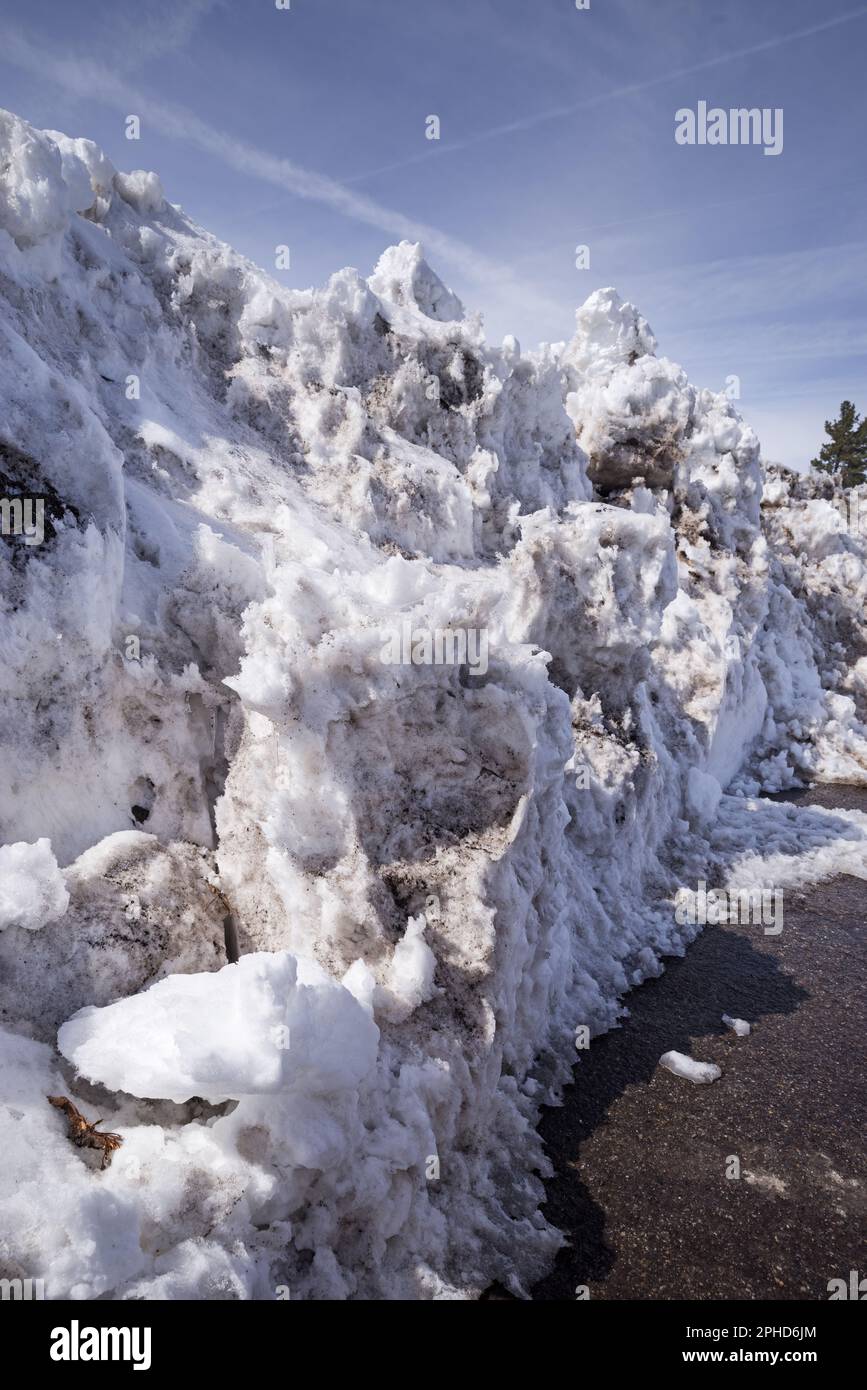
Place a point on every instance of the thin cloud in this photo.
(155, 34)
(92, 81)
(757, 287)
(688, 211)
(632, 89)
(128, 39)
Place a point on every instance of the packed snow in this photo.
(283, 1027)
(434, 873)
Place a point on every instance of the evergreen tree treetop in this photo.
(845, 454)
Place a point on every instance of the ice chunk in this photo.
(737, 1025)
(266, 1024)
(688, 1067)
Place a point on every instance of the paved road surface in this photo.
(641, 1155)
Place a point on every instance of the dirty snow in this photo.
(435, 875)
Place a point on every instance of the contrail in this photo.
(557, 112)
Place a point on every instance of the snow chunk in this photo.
(411, 973)
(361, 983)
(45, 177)
(609, 332)
(737, 1025)
(688, 1067)
(98, 168)
(142, 190)
(269, 1023)
(35, 198)
(632, 411)
(403, 276)
(767, 1182)
(32, 892)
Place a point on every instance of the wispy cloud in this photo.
(164, 27)
(126, 37)
(94, 82)
(553, 113)
(757, 288)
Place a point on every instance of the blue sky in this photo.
(306, 127)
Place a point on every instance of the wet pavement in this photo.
(641, 1156)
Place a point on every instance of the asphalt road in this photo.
(641, 1155)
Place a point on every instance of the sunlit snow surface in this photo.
(436, 876)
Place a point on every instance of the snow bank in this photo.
(435, 869)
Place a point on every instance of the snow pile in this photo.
(435, 868)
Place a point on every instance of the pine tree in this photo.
(845, 456)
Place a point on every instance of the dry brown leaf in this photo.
(84, 1134)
